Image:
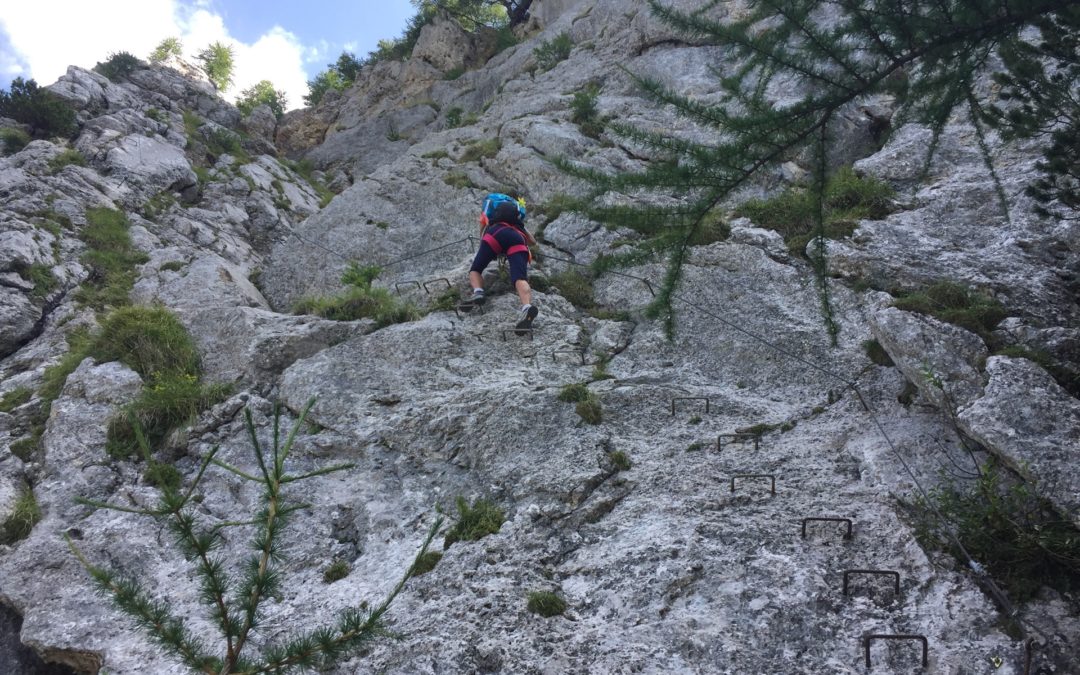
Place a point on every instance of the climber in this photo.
(502, 232)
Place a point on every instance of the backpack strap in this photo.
(491, 241)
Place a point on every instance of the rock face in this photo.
(678, 545)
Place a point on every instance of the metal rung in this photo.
(824, 519)
(448, 284)
(467, 307)
(519, 332)
(737, 437)
(771, 477)
(889, 573)
(878, 636)
(569, 350)
(690, 398)
(398, 285)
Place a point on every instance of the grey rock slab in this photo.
(253, 345)
(147, 166)
(18, 317)
(1028, 420)
(208, 281)
(943, 361)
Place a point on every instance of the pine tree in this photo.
(234, 601)
(929, 53)
(218, 62)
(259, 93)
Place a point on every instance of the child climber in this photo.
(502, 232)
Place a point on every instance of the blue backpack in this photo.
(493, 201)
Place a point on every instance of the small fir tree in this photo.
(235, 602)
(169, 48)
(218, 62)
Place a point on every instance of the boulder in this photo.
(944, 361)
(1029, 421)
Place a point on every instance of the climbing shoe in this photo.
(528, 313)
(472, 303)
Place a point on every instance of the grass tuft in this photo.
(15, 398)
(336, 571)
(425, 563)
(25, 514)
(545, 603)
(110, 258)
(848, 199)
(474, 522)
(956, 304)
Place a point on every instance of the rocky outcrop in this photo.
(658, 528)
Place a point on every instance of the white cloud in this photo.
(83, 33)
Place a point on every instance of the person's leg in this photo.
(484, 256)
(519, 263)
(524, 291)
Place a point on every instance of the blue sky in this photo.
(285, 41)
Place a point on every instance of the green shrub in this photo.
(590, 410)
(65, 158)
(15, 398)
(47, 114)
(336, 571)
(441, 153)
(425, 563)
(876, 353)
(173, 266)
(119, 66)
(574, 393)
(110, 257)
(478, 150)
(13, 140)
(1001, 523)
(169, 48)
(260, 93)
(224, 142)
(474, 522)
(953, 303)
(453, 117)
(545, 603)
(584, 112)
(848, 199)
(24, 516)
(454, 73)
(218, 62)
(551, 52)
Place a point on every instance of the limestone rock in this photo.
(17, 319)
(1025, 418)
(254, 345)
(942, 360)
